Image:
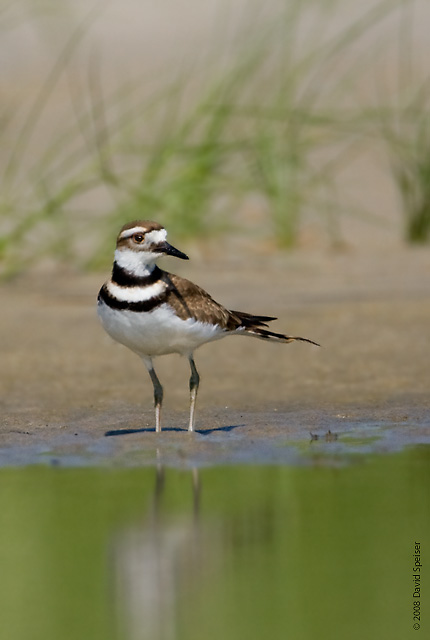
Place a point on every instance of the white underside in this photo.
(157, 332)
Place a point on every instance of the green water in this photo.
(230, 552)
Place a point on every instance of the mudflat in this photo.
(69, 394)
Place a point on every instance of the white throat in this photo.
(139, 263)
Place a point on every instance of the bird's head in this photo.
(141, 243)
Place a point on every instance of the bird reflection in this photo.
(155, 560)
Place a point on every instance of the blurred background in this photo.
(285, 145)
(293, 124)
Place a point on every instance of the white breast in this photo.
(136, 294)
(157, 332)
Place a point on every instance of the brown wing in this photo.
(191, 301)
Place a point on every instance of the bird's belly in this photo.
(156, 332)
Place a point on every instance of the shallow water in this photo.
(317, 551)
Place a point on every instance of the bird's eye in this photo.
(138, 237)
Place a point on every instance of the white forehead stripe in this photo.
(157, 236)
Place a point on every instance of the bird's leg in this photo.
(158, 398)
(158, 392)
(194, 385)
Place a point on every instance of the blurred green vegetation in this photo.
(271, 120)
(303, 552)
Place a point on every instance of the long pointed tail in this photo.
(252, 326)
(263, 334)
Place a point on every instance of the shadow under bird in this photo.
(154, 313)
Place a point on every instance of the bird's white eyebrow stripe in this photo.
(127, 233)
(155, 235)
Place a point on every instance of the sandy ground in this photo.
(67, 392)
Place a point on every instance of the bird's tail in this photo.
(263, 334)
(252, 326)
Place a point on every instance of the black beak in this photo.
(171, 251)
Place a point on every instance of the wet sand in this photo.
(69, 395)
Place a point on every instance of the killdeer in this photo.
(154, 313)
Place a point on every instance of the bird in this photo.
(155, 313)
